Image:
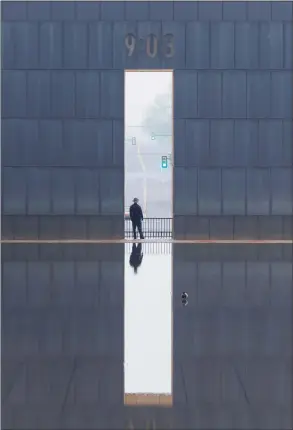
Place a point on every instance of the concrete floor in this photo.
(62, 338)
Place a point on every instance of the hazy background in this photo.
(148, 109)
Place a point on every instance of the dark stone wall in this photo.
(63, 109)
(62, 126)
(233, 123)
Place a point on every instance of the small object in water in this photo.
(184, 297)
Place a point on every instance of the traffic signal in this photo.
(164, 163)
(153, 136)
(134, 141)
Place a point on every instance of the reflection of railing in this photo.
(151, 248)
(153, 228)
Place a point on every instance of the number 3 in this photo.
(169, 45)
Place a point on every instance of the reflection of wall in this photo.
(230, 363)
(62, 335)
(63, 103)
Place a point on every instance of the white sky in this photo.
(144, 177)
(140, 90)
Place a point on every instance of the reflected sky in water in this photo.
(147, 321)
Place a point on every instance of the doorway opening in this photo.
(148, 161)
(148, 150)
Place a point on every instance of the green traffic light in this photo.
(164, 162)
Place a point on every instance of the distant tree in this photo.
(159, 116)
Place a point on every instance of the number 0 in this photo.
(152, 46)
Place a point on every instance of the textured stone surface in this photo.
(63, 112)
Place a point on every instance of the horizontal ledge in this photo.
(125, 241)
(148, 70)
(139, 399)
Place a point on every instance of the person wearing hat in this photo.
(136, 216)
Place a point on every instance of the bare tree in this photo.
(159, 116)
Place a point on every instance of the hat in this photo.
(135, 200)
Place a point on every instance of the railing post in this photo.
(152, 228)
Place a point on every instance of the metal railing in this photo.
(153, 228)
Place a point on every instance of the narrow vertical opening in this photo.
(148, 316)
(148, 150)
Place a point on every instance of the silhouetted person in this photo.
(136, 257)
(136, 216)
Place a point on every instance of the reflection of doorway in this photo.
(148, 327)
(148, 142)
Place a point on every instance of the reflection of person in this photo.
(136, 257)
(136, 217)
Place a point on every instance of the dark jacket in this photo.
(135, 213)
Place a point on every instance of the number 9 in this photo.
(130, 42)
